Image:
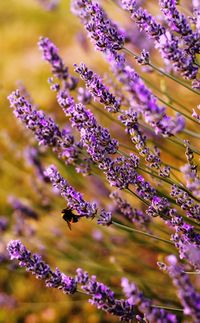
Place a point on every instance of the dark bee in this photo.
(69, 217)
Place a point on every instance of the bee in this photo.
(69, 217)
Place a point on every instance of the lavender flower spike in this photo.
(51, 55)
(166, 42)
(34, 264)
(46, 131)
(188, 296)
(98, 90)
(74, 199)
(144, 305)
(103, 298)
(105, 35)
(133, 215)
(178, 23)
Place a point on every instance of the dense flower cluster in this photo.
(165, 41)
(178, 23)
(34, 264)
(59, 70)
(131, 214)
(105, 34)
(148, 106)
(74, 199)
(46, 131)
(98, 89)
(22, 209)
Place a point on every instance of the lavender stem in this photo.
(126, 228)
(162, 72)
(166, 94)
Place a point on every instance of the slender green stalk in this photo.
(192, 272)
(137, 196)
(191, 133)
(166, 94)
(162, 72)
(130, 148)
(172, 78)
(175, 109)
(126, 228)
(106, 114)
(180, 141)
(168, 308)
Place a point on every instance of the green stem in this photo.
(166, 94)
(168, 308)
(192, 272)
(162, 72)
(173, 78)
(126, 228)
(175, 109)
(191, 133)
(180, 141)
(137, 196)
(106, 114)
(171, 166)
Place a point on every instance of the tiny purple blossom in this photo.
(74, 199)
(34, 264)
(51, 55)
(98, 90)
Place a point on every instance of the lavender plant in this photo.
(136, 146)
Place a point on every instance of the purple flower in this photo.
(84, 96)
(178, 23)
(121, 172)
(167, 43)
(189, 297)
(34, 264)
(105, 35)
(3, 223)
(130, 119)
(21, 208)
(105, 218)
(192, 179)
(144, 305)
(46, 131)
(100, 295)
(74, 199)
(131, 214)
(98, 90)
(144, 58)
(103, 298)
(51, 55)
(33, 157)
(94, 137)
(187, 204)
(144, 101)
(153, 114)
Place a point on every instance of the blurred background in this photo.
(105, 252)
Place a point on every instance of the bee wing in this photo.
(69, 225)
